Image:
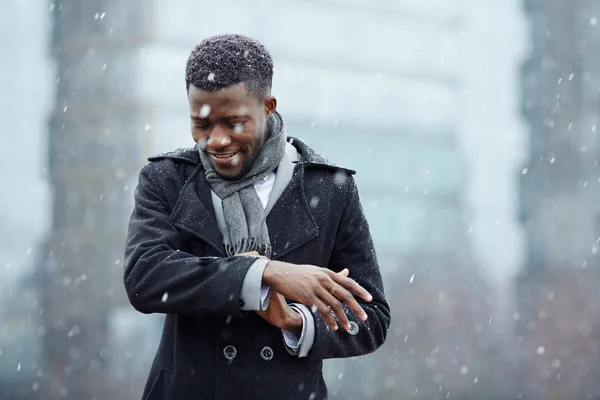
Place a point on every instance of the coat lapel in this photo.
(194, 212)
(290, 221)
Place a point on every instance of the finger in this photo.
(348, 299)
(352, 286)
(249, 254)
(345, 272)
(325, 311)
(252, 254)
(274, 296)
(336, 306)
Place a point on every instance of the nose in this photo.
(218, 139)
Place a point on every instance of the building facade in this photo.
(94, 148)
(558, 317)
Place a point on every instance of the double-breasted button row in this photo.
(230, 352)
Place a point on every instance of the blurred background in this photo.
(473, 127)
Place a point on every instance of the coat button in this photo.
(353, 328)
(266, 353)
(241, 302)
(230, 352)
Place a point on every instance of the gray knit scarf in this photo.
(242, 210)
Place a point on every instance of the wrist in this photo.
(270, 272)
(294, 322)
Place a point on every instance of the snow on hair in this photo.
(228, 59)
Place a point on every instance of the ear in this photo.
(269, 105)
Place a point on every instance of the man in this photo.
(253, 245)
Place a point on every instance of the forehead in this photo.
(231, 98)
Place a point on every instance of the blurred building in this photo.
(95, 147)
(558, 316)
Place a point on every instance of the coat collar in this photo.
(308, 156)
(194, 211)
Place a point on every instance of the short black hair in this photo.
(228, 59)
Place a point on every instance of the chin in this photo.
(229, 174)
(233, 173)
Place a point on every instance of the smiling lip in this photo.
(224, 158)
(227, 155)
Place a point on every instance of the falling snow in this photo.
(477, 296)
(340, 178)
(76, 330)
(314, 202)
(202, 143)
(204, 111)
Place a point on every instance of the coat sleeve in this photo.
(160, 278)
(354, 250)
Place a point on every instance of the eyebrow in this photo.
(230, 117)
(227, 118)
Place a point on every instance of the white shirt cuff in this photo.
(254, 295)
(265, 295)
(300, 345)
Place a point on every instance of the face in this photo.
(230, 125)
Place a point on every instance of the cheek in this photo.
(249, 137)
(197, 134)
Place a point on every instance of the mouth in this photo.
(223, 156)
(226, 160)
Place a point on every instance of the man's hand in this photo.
(319, 288)
(280, 315)
(252, 254)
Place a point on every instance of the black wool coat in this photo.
(175, 264)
